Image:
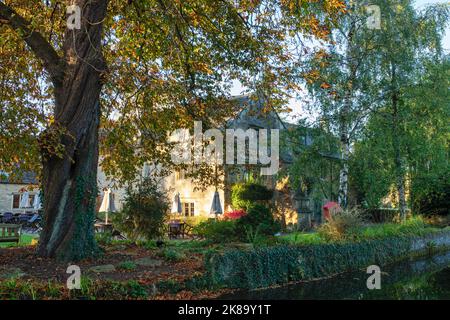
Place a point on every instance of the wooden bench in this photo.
(10, 232)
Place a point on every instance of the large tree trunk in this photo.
(70, 183)
(69, 173)
(70, 178)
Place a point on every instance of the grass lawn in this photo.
(303, 238)
(25, 240)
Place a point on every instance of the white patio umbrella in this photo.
(216, 207)
(25, 200)
(37, 205)
(176, 205)
(107, 203)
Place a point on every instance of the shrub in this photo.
(144, 212)
(435, 201)
(127, 265)
(220, 231)
(243, 194)
(438, 221)
(380, 215)
(104, 238)
(150, 245)
(234, 215)
(340, 226)
(190, 220)
(173, 255)
(135, 289)
(253, 236)
(259, 218)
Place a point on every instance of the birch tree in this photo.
(338, 80)
(408, 39)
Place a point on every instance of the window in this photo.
(17, 197)
(188, 209)
(179, 175)
(16, 201)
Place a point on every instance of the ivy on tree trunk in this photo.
(69, 179)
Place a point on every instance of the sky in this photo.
(237, 89)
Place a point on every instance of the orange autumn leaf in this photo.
(325, 85)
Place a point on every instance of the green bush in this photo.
(435, 201)
(381, 215)
(144, 212)
(220, 231)
(256, 239)
(173, 255)
(244, 194)
(258, 218)
(127, 265)
(104, 238)
(438, 221)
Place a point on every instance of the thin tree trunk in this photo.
(398, 159)
(343, 173)
(345, 120)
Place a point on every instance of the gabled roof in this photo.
(27, 177)
(253, 114)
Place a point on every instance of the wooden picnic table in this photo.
(176, 229)
(103, 227)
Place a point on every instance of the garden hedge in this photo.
(244, 194)
(264, 267)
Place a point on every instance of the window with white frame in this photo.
(188, 209)
(17, 199)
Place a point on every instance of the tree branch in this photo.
(38, 44)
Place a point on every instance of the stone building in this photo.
(11, 192)
(196, 202)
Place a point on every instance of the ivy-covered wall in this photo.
(270, 266)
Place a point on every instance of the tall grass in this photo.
(414, 226)
(341, 226)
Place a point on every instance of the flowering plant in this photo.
(234, 215)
